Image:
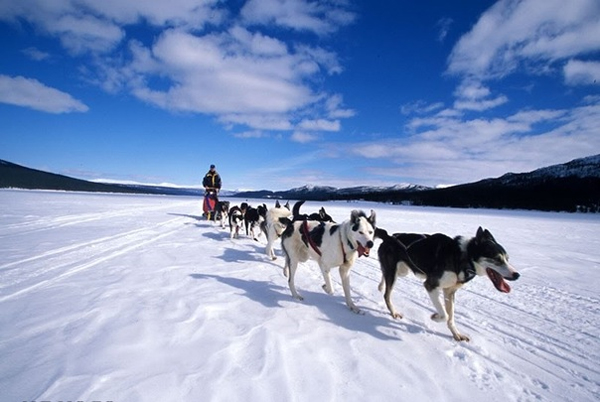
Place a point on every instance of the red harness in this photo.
(312, 243)
(309, 239)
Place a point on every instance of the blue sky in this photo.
(283, 93)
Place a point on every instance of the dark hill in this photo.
(573, 186)
(17, 176)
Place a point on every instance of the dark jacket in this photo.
(212, 180)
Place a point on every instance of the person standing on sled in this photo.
(212, 186)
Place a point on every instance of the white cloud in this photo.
(472, 90)
(241, 77)
(204, 58)
(26, 92)
(514, 32)
(582, 72)
(457, 150)
(480, 104)
(334, 108)
(35, 54)
(215, 74)
(320, 125)
(96, 26)
(80, 34)
(591, 99)
(251, 134)
(320, 17)
(258, 44)
(320, 58)
(258, 121)
(472, 95)
(531, 117)
(443, 26)
(420, 107)
(303, 137)
(193, 14)
(77, 30)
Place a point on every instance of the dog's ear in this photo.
(277, 205)
(479, 234)
(484, 234)
(354, 219)
(371, 218)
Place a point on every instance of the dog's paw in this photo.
(355, 310)
(438, 318)
(298, 297)
(327, 290)
(397, 315)
(461, 338)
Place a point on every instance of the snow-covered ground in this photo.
(136, 298)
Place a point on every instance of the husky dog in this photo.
(320, 216)
(222, 212)
(236, 221)
(331, 245)
(278, 219)
(253, 219)
(445, 263)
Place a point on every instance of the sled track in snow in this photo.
(25, 275)
(52, 223)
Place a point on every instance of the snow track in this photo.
(107, 297)
(55, 265)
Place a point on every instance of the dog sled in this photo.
(209, 205)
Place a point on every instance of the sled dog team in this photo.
(444, 263)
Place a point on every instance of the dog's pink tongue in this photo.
(363, 250)
(498, 281)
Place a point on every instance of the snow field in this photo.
(136, 298)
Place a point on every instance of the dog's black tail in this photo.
(296, 211)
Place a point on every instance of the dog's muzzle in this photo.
(364, 250)
(498, 280)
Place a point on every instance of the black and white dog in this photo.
(277, 220)
(445, 263)
(236, 221)
(222, 212)
(253, 219)
(331, 245)
(320, 216)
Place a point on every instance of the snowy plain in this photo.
(108, 297)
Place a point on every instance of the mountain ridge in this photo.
(572, 186)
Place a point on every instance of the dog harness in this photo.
(313, 245)
(309, 239)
